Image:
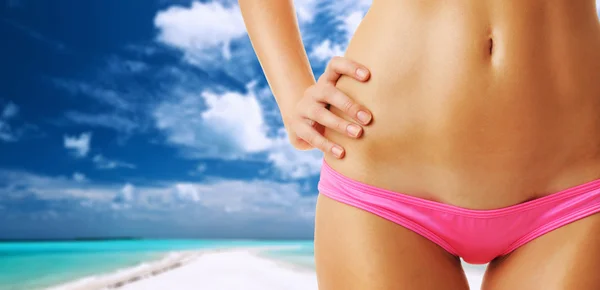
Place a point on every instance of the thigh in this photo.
(357, 250)
(566, 258)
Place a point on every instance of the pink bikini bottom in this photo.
(478, 236)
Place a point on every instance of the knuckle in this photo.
(347, 105)
(297, 135)
(317, 94)
(329, 91)
(298, 111)
(307, 122)
(352, 65)
(313, 140)
(334, 61)
(298, 144)
(315, 111)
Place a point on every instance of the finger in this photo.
(347, 105)
(344, 66)
(318, 113)
(339, 66)
(312, 137)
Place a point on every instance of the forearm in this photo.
(273, 30)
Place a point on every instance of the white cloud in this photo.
(17, 184)
(238, 116)
(326, 50)
(10, 111)
(226, 126)
(231, 126)
(201, 168)
(116, 87)
(305, 9)
(116, 65)
(110, 120)
(145, 50)
(257, 197)
(12, 134)
(346, 7)
(6, 133)
(226, 196)
(103, 95)
(80, 146)
(293, 163)
(350, 14)
(102, 162)
(195, 28)
(126, 194)
(79, 177)
(127, 191)
(194, 31)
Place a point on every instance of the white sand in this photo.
(231, 270)
(223, 269)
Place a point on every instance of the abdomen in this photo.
(476, 103)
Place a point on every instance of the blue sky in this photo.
(151, 118)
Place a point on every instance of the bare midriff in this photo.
(478, 104)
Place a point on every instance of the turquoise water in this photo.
(301, 254)
(36, 265)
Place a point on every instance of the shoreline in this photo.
(121, 278)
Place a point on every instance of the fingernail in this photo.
(353, 130)
(361, 72)
(337, 151)
(364, 117)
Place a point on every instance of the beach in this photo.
(235, 269)
(113, 263)
(219, 269)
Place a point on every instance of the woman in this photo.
(484, 141)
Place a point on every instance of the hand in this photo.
(311, 115)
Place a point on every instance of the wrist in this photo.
(287, 110)
(286, 117)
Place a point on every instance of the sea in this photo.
(39, 265)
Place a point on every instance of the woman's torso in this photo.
(480, 104)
